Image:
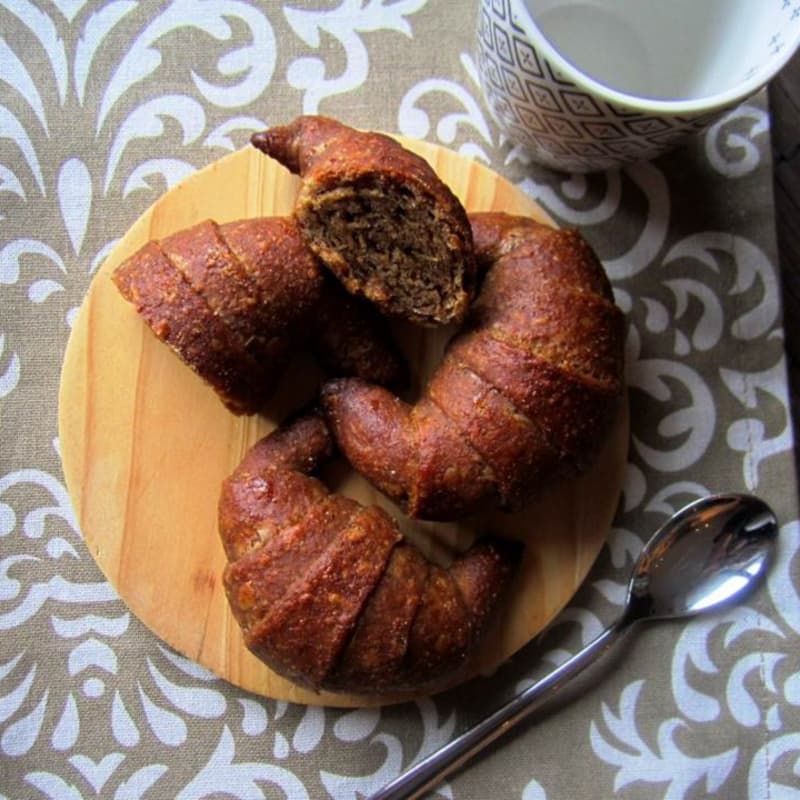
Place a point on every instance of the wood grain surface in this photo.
(145, 445)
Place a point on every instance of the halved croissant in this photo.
(526, 391)
(326, 590)
(235, 300)
(379, 218)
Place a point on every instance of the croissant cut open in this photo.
(379, 218)
(327, 591)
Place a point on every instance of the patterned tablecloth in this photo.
(103, 106)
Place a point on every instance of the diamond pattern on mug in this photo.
(647, 126)
(602, 130)
(561, 126)
(515, 132)
(553, 146)
(580, 104)
(491, 68)
(531, 119)
(527, 60)
(503, 110)
(514, 85)
(588, 149)
(592, 131)
(542, 97)
(631, 147)
(502, 45)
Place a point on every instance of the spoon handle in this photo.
(438, 765)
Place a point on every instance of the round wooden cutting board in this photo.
(145, 445)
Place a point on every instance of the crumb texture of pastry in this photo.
(234, 301)
(329, 594)
(525, 394)
(379, 218)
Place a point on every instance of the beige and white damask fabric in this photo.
(103, 106)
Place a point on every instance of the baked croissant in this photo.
(327, 591)
(235, 300)
(526, 391)
(379, 218)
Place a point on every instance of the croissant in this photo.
(327, 591)
(525, 393)
(379, 218)
(235, 300)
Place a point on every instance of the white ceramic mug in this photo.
(594, 84)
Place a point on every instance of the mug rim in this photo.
(701, 105)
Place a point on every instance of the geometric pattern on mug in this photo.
(544, 111)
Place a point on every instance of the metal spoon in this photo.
(709, 554)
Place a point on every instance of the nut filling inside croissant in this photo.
(379, 218)
(526, 392)
(399, 265)
(327, 591)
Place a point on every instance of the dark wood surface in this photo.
(784, 100)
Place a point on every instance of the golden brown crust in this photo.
(282, 280)
(182, 319)
(254, 507)
(205, 262)
(379, 218)
(334, 598)
(270, 489)
(452, 478)
(376, 653)
(443, 628)
(265, 574)
(571, 415)
(525, 394)
(481, 576)
(234, 301)
(507, 441)
(305, 632)
(382, 417)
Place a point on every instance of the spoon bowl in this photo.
(709, 555)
